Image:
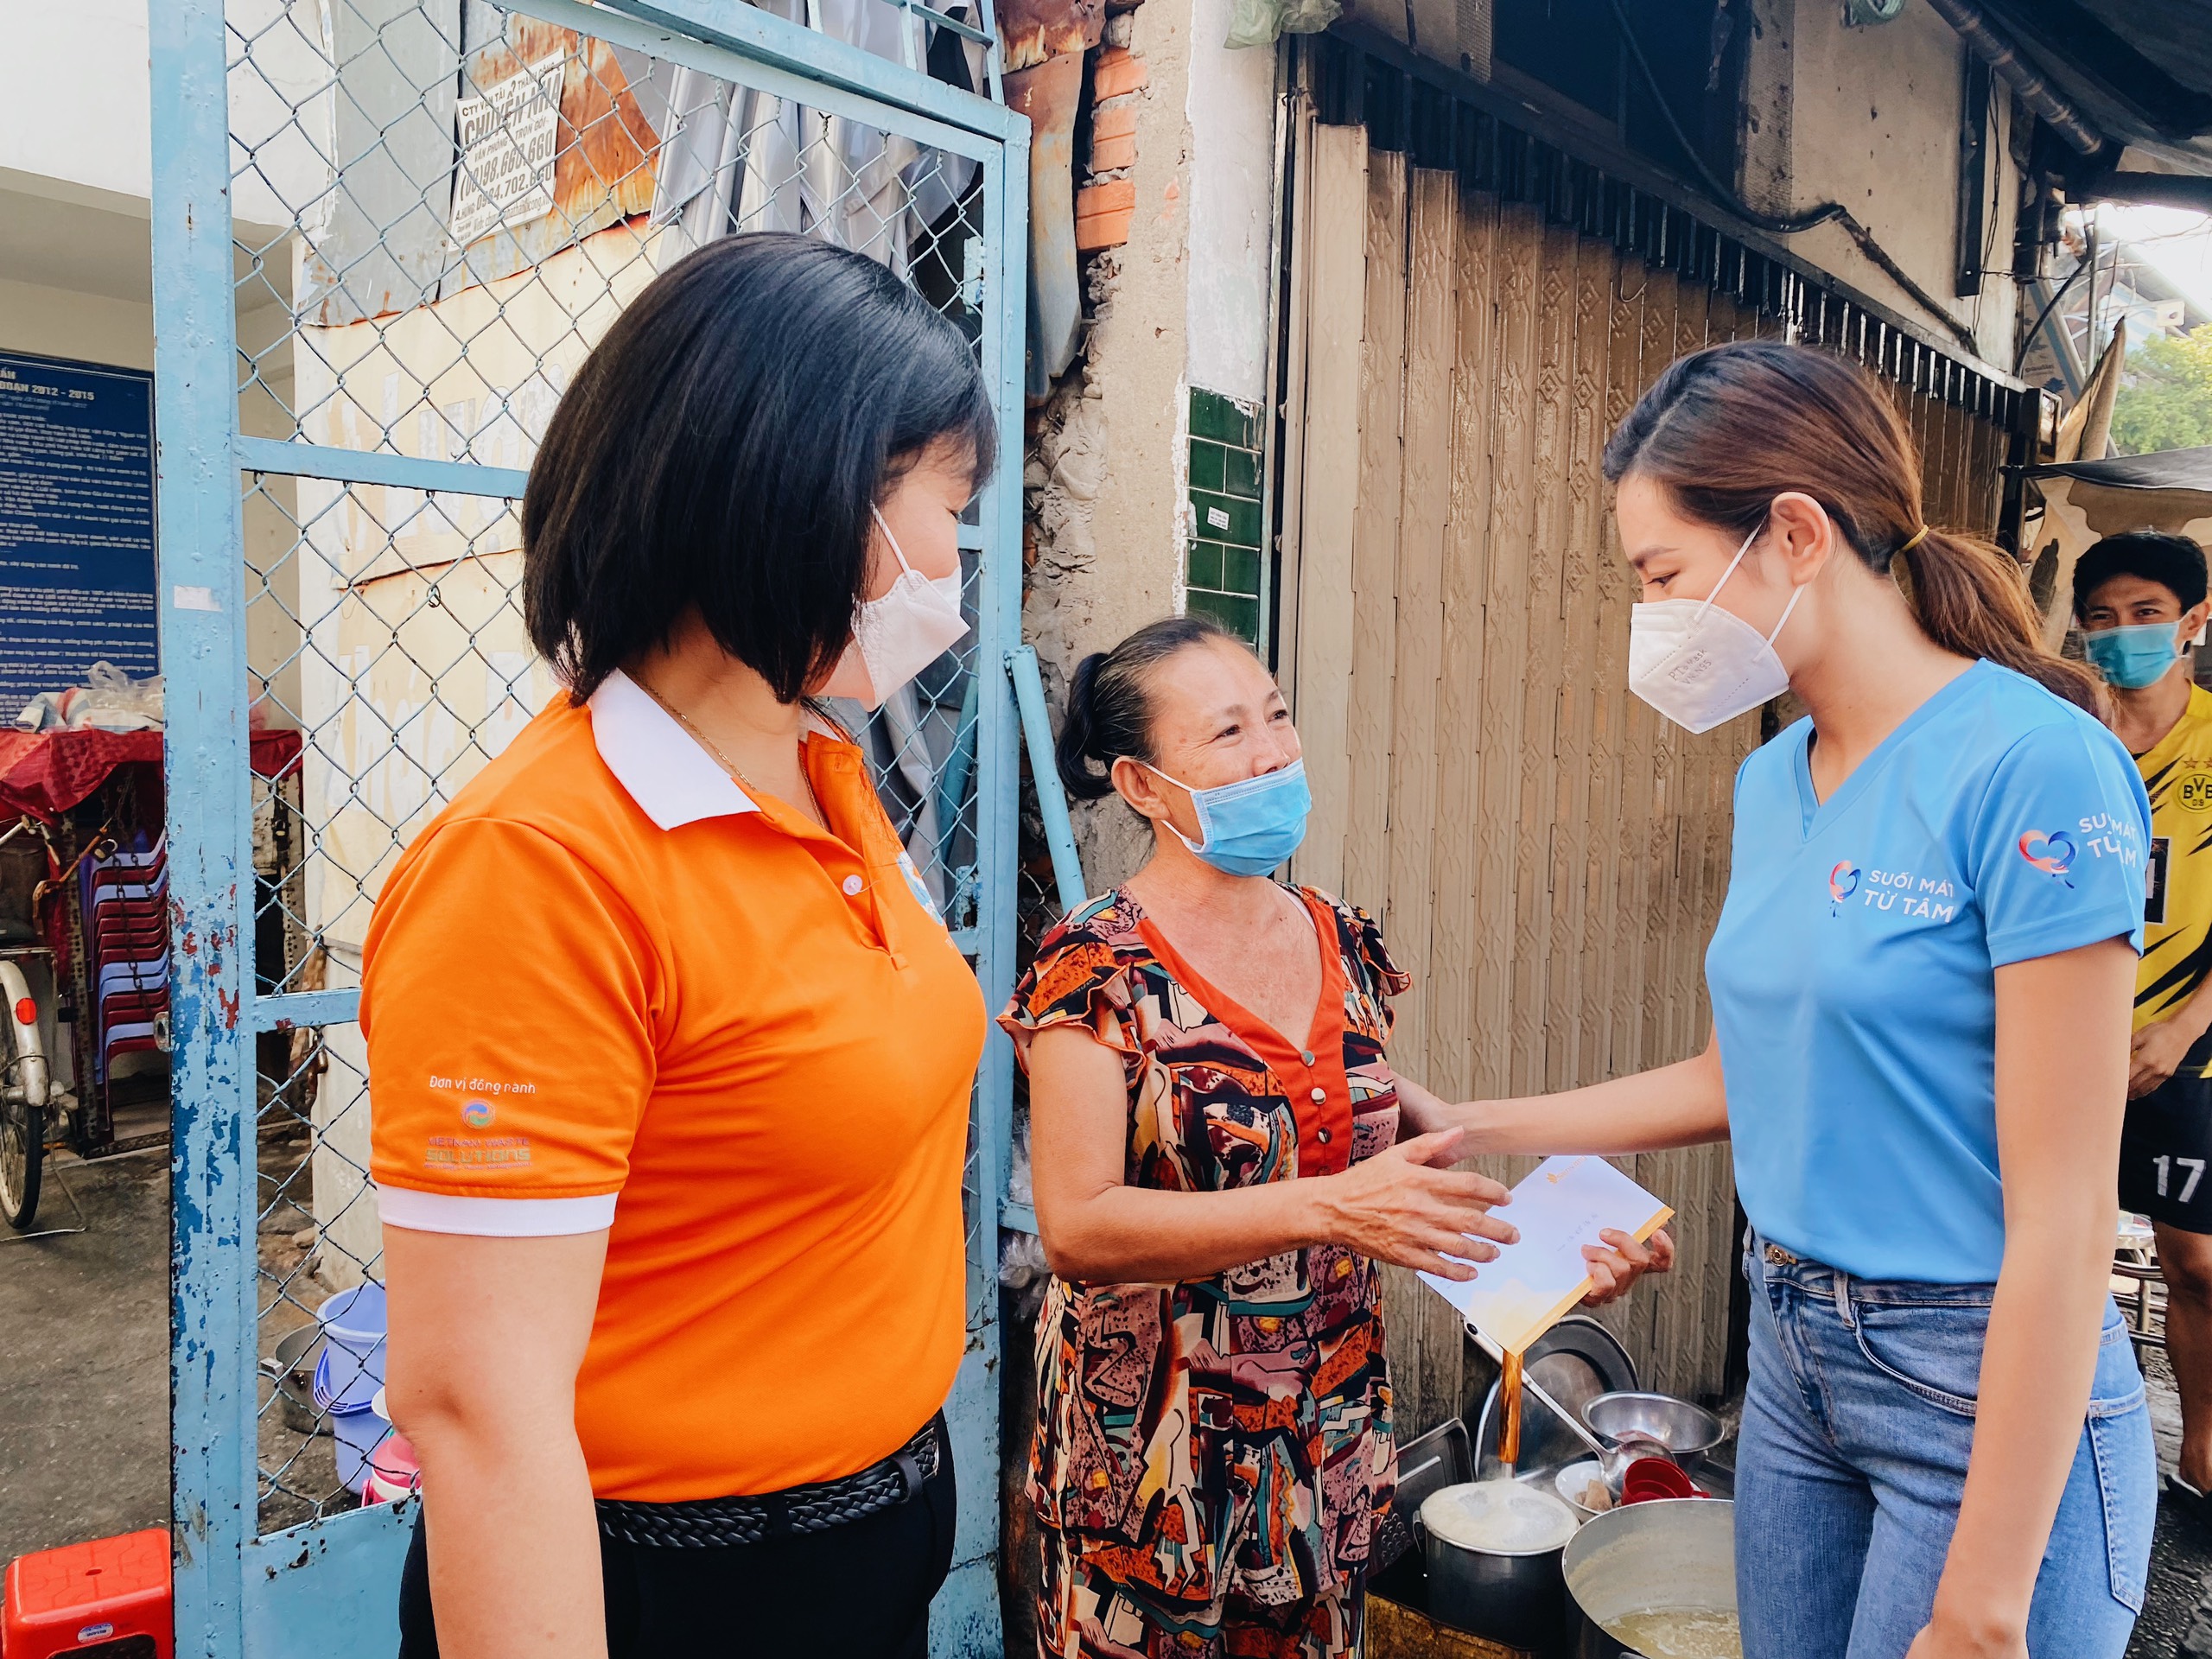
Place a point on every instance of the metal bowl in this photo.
(1684, 1429)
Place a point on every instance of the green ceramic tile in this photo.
(1240, 616)
(1205, 569)
(1213, 416)
(1209, 464)
(1225, 518)
(1243, 473)
(1239, 571)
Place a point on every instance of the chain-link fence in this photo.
(438, 208)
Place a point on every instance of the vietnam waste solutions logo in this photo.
(477, 1114)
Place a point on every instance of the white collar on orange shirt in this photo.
(673, 780)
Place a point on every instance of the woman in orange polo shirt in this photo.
(1215, 1128)
(670, 1052)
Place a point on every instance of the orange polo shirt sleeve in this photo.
(513, 1114)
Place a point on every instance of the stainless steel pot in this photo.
(291, 1370)
(1673, 1552)
(1518, 1598)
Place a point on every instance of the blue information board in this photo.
(76, 524)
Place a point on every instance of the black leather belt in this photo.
(714, 1522)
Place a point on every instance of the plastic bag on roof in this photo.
(1259, 22)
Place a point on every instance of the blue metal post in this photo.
(1051, 798)
(200, 601)
(965, 1619)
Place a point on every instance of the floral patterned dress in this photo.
(1211, 1456)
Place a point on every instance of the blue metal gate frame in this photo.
(327, 1586)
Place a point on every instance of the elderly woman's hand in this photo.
(1620, 1261)
(1407, 1205)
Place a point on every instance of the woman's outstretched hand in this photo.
(1407, 1205)
(1620, 1261)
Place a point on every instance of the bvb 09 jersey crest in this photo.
(2177, 898)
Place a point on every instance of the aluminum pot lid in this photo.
(1498, 1518)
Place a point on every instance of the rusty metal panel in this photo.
(1329, 503)
(1049, 93)
(1538, 830)
(1432, 301)
(1656, 349)
(1506, 673)
(603, 166)
(1375, 535)
(1030, 31)
(1452, 1065)
(1431, 318)
(1618, 988)
(1571, 1013)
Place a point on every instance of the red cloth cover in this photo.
(46, 773)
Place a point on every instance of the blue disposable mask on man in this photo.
(2132, 658)
(1251, 826)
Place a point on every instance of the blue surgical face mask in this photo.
(1249, 826)
(2132, 658)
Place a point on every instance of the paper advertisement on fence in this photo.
(509, 139)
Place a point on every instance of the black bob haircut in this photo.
(721, 448)
(2173, 562)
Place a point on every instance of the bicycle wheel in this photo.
(22, 1153)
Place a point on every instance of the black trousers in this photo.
(860, 1591)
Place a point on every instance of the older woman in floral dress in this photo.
(1216, 1134)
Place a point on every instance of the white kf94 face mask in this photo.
(1699, 664)
(900, 634)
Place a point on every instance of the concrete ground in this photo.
(84, 1360)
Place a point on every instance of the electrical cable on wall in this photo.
(2028, 340)
(1794, 224)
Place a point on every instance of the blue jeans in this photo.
(1857, 1425)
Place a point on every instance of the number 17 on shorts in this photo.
(2164, 1152)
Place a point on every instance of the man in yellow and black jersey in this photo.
(2141, 600)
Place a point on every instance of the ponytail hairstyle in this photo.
(1727, 429)
(1109, 702)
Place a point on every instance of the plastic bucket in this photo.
(394, 1471)
(356, 1430)
(353, 1324)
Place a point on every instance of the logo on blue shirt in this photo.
(1843, 881)
(1906, 892)
(2052, 854)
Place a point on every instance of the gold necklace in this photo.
(730, 765)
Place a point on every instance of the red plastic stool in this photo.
(106, 1599)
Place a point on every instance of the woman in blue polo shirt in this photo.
(1920, 985)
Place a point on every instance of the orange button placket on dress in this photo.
(1312, 1077)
